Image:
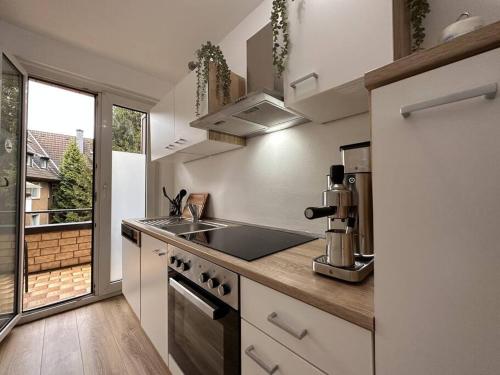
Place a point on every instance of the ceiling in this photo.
(158, 37)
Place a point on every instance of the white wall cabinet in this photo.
(131, 280)
(339, 41)
(436, 190)
(154, 289)
(162, 127)
(171, 132)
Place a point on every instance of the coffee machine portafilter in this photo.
(347, 205)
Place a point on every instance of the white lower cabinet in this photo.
(131, 275)
(331, 344)
(436, 190)
(154, 289)
(260, 354)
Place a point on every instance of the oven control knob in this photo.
(203, 277)
(172, 260)
(184, 266)
(213, 283)
(223, 289)
(178, 263)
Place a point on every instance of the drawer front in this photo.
(260, 354)
(330, 343)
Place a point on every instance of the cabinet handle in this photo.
(270, 369)
(294, 84)
(159, 252)
(488, 91)
(298, 334)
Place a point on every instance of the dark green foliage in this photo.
(75, 188)
(419, 9)
(279, 24)
(209, 53)
(127, 130)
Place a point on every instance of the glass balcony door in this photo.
(12, 128)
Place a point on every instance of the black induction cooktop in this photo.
(248, 242)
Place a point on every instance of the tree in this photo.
(127, 130)
(75, 188)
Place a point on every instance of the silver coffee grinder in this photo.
(347, 205)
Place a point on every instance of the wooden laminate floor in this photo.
(102, 338)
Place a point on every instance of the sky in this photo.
(57, 110)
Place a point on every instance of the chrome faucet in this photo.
(193, 209)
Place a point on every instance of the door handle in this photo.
(207, 307)
(298, 334)
(488, 91)
(270, 369)
(6, 182)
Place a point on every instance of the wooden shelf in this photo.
(473, 43)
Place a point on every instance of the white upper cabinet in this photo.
(333, 43)
(172, 134)
(162, 131)
(185, 112)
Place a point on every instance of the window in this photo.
(35, 219)
(29, 160)
(128, 130)
(43, 163)
(33, 190)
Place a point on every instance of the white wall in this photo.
(445, 12)
(64, 57)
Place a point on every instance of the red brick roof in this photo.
(51, 145)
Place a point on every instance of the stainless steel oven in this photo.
(203, 316)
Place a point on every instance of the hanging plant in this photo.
(419, 9)
(279, 24)
(206, 55)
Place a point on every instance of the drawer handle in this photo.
(298, 334)
(270, 369)
(294, 84)
(159, 252)
(488, 91)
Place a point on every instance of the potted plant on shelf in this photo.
(419, 9)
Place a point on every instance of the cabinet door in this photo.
(339, 41)
(131, 280)
(436, 190)
(154, 302)
(162, 127)
(185, 112)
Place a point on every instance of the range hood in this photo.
(263, 109)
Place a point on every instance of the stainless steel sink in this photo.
(182, 226)
(189, 227)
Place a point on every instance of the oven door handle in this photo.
(206, 306)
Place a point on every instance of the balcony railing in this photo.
(58, 245)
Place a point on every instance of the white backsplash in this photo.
(274, 178)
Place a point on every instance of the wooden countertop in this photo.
(473, 43)
(290, 272)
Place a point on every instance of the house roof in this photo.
(51, 146)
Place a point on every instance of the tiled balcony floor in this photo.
(57, 285)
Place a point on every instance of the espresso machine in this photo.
(347, 205)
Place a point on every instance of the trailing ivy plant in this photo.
(279, 24)
(419, 9)
(206, 55)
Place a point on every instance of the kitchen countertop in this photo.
(473, 43)
(290, 272)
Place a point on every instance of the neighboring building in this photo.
(45, 152)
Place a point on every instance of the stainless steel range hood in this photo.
(261, 111)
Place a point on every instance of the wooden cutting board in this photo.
(199, 200)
